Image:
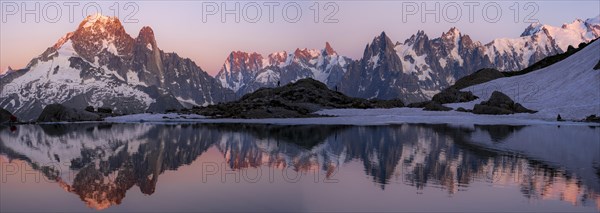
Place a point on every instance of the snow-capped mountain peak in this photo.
(98, 20)
(568, 34)
(593, 21)
(100, 65)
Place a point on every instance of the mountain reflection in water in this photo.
(101, 162)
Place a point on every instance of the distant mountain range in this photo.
(246, 72)
(413, 70)
(100, 65)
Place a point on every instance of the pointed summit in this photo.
(415, 38)
(381, 53)
(380, 44)
(532, 29)
(97, 34)
(146, 37)
(382, 35)
(329, 50)
(593, 21)
(452, 33)
(380, 39)
(146, 31)
(100, 22)
(7, 71)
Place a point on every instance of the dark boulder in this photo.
(60, 113)
(435, 106)
(500, 104)
(597, 67)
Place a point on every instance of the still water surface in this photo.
(204, 167)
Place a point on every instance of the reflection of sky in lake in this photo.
(149, 167)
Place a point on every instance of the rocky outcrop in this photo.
(60, 113)
(7, 117)
(299, 99)
(500, 104)
(481, 76)
(452, 95)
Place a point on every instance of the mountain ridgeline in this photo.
(413, 70)
(100, 65)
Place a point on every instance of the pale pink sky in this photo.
(179, 27)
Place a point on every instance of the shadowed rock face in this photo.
(500, 104)
(58, 112)
(6, 116)
(379, 74)
(481, 76)
(299, 99)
